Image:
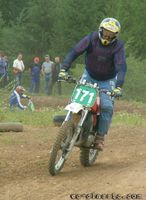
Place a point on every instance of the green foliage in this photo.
(11, 10)
(36, 27)
(135, 83)
(39, 118)
(78, 20)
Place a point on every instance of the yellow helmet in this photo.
(112, 25)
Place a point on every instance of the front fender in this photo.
(74, 107)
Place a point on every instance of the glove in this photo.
(117, 92)
(24, 107)
(63, 74)
(28, 97)
(25, 96)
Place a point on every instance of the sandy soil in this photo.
(119, 169)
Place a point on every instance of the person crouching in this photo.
(15, 99)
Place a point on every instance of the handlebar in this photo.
(70, 79)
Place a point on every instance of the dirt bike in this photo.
(79, 126)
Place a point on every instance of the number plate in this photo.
(84, 95)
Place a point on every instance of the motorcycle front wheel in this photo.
(88, 156)
(60, 148)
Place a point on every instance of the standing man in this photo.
(47, 72)
(18, 68)
(35, 70)
(55, 72)
(105, 64)
(3, 65)
(6, 78)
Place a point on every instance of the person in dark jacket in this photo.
(3, 65)
(35, 71)
(55, 71)
(105, 64)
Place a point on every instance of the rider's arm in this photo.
(18, 102)
(121, 67)
(78, 49)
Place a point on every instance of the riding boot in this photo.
(99, 142)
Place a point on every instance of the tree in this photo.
(76, 18)
(132, 17)
(54, 26)
(11, 9)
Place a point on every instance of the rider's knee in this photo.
(107, 106)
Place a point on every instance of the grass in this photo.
(45, 117)
(130, 119)
(38, 118)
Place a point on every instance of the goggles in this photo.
(108, 35)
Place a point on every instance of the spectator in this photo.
(35, 70)
(6, 78)
(18, 68)
(55, 72)
(47, 72)
(15, 98)
(2, 69)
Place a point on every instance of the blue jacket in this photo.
(3, 66)
(14, 100)
(35, 69)
(101, 62)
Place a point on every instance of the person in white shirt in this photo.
(47, 72)
(18, 68)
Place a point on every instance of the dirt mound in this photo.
(48, 101)
(130, 108)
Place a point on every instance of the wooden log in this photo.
(11, 126)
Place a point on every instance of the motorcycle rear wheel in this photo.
(60, 148)
(88, 156)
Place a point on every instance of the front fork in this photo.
(78, 128)
(82, 119)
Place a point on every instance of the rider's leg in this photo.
(106, 104)
(104, 120)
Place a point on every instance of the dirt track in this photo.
(119, 169)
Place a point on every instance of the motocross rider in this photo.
(105, 64)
